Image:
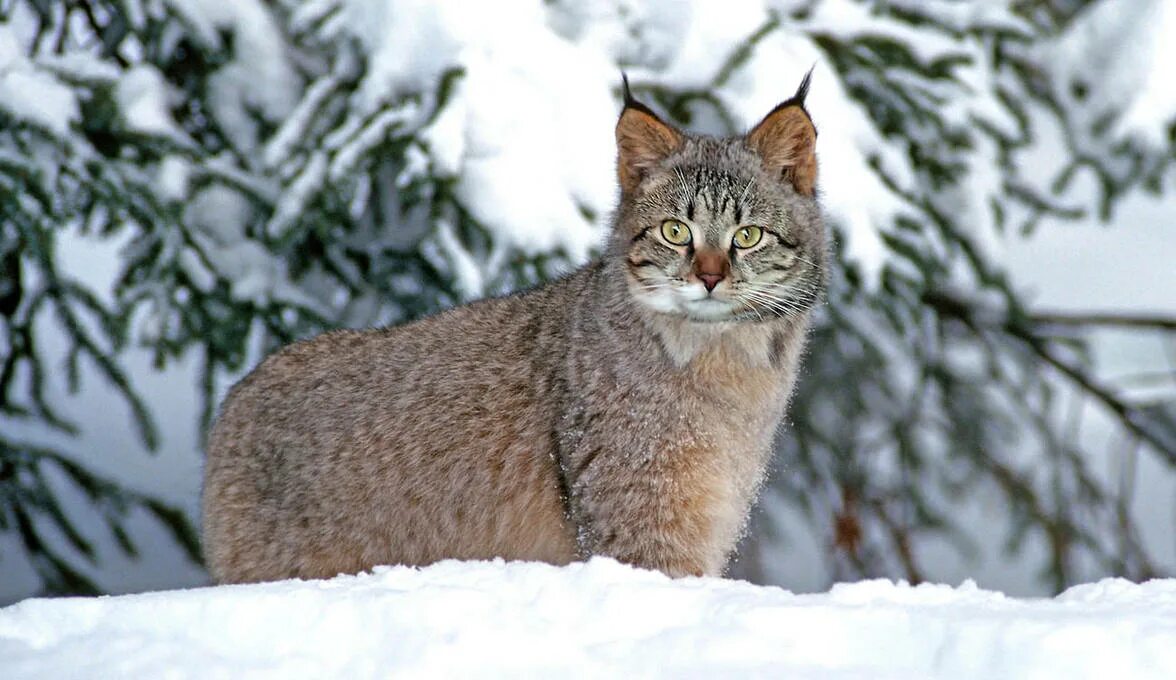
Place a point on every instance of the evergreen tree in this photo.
(279, 168)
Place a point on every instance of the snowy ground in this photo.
(600, 619)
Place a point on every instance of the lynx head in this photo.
(721, 229)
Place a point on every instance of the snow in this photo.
(80, 67)
(537, 110)
(31, 93)
(411, 43)
(469, 275)
(1123, 61)
(260, 77)
(594, 619)
(300, 190)
(526, 131)
(254, 274)
(174, 175)
(294, 129)
(144, 99)
(348, 151)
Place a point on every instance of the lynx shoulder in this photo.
(626, 410)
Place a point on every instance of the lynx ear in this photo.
(786, 141)
(643, 140)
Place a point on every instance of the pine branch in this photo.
(27, 497)
(1132, 419)
(1115, 319)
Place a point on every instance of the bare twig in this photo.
(1118, 319)
(900, 536)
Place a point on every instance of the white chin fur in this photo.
(709, 310)
(691, 301)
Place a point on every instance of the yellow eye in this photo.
(675, 232)
(747, 237)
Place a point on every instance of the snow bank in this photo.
(599, 619)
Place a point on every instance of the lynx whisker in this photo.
(776, 304)
(743, 196)
(685, 191)
(778, 296)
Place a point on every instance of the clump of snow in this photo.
(1119, 60)
(30, 93)
(144, 99)
(410, 43)
(174, 175)
(527, 130)
(80, 67)
(631, 32)
(594, 619)
(259, 79)
(254, 273)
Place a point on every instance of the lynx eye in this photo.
(675, 232)
(746, 237)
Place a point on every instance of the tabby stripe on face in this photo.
(644, 232)
(637, 264)
(791, 245)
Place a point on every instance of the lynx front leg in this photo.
(669, 513)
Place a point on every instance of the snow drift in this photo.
(594, 619)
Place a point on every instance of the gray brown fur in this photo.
(607, 413)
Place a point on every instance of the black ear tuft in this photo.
(786, 141)
(802, 91)
(643, 140)
(631, 101)
(797, 99)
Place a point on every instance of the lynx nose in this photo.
(710, 280)
(711, 266)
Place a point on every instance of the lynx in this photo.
(626, 410)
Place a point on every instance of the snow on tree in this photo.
(278, 168)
